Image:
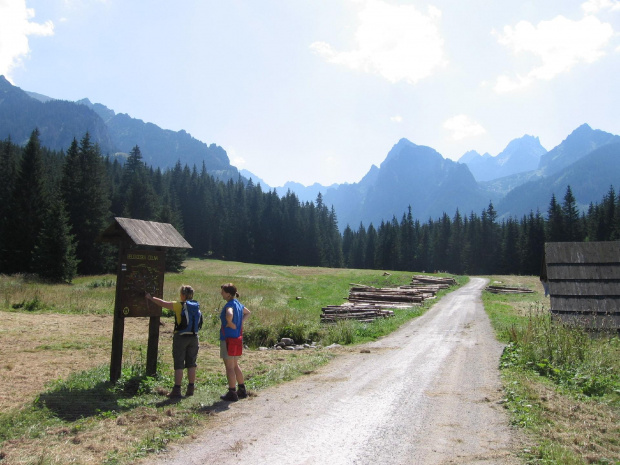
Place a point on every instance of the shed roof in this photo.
(144, 233)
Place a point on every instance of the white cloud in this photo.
(396, 119)
(594, 6)
(15, 27)
(560, 44)
(462, 126)
(398, 42)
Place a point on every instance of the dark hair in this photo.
(187, 291)
(231, 289)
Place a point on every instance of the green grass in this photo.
(285, 302)
(562, 383)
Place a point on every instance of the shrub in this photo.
(566, 354)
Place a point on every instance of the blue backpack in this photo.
(191, 318)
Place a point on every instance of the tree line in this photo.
(55, 204)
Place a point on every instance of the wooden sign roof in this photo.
(144, 233)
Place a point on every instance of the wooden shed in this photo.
(583, 281)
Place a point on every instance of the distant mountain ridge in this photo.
(580, 142)
(420, 177)
(411, 175)
(59, 122)
(520, 179)
(523, 154)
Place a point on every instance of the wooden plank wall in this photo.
(584, 282)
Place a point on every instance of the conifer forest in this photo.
(54, 205)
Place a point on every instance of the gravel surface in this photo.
(427, 394)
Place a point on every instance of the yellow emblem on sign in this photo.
(126, 311)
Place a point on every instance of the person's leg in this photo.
(241, 392)
(231, 395)
(191, 375)
(178, 376)
(231, 375)
(191, 380)
(191, 356)
(177, 356)
(238, 373)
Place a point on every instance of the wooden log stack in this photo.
(373, 295)
(362, 313)
(368, 303)
(508, 290)
(442, 282)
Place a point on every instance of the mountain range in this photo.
(519, 180)
(59, 122)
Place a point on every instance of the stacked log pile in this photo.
(369, 303)
(508, 290)
(363, 313)
(442, 282)
(386, 296)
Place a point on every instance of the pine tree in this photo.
(54, 251)
(456, 245)
(140, 201)
(570, 214)
(555, 222)
(86, 194)
(9, 163)
(174, 257)
(27, 208)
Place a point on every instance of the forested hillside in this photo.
(54, 205)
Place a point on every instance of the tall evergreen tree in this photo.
(54, 252)
(570, 215)
(140, 201)
(174, 257)
(86, 194)
(28, 205)
(555, 222)
(9, 165)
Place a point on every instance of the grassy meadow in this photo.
(56, 404)
(59, 406)
(562, 384)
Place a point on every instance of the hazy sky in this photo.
(320, 90)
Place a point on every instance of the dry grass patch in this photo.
(45, 348)
(582, 430)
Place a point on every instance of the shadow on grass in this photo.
(69, 402)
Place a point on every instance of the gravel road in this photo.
(427, 394)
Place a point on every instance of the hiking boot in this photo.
(190, 390)
(230, 396)
(175, 393)
(241, 392)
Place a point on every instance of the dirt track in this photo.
(427, 394)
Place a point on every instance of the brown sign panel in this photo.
(141, 271)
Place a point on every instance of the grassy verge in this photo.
(80, 417)
(562, 383)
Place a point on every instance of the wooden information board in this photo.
(141, 271)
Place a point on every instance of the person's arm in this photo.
(246, 313)
(229, 318)
(158, 301)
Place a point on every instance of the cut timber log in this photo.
(366, 313)
(508, 290)
(444, 282)
(365, 294)
(368, 303)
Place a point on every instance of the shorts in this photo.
(184, 351)
(224, 352)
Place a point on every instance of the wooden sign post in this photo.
(141, 267)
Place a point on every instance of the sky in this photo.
(320, 90)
